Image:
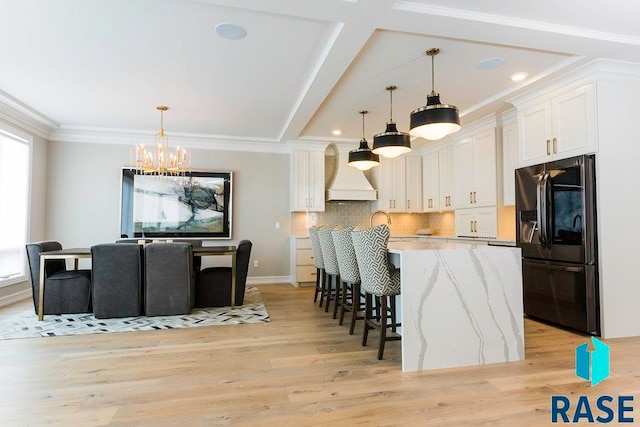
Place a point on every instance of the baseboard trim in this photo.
(269, 280)
(15, 297)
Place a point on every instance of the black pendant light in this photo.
(391, 143)
(434, 120)
(362, 157)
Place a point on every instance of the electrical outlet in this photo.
(256, 264)
(277, 226)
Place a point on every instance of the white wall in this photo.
(83, 193)
(618, 203)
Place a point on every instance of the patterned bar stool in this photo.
(332, 269)
(378, 280)
(321, 279)
(350, 275)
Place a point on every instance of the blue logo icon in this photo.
(592, 364)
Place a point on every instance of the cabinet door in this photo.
(307, 181)
(509, 162)
(300, 181)
(464, 223)
(535, 134)
(484, 169)
(316, 181)
(486, 224)
(413, 189)
(463, 154)
(447, 178)
(430, 182)
(574, 127)
(384, 174)
(392, 173)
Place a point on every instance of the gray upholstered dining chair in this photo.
(318, 262)
(349, 274)
(169, 279)
(65, 291)
(116, 280)
(379, 279)
(213, 284)
(331, 268)
(197, 261)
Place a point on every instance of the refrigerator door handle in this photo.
(540, 209)
(548, 214)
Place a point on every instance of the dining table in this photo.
(78, 253)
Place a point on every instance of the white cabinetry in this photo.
(307, 181)
(438, 182)
(475, 161)
(509, 161)
(430, 182)
(477, 222)
(413, 186)
(399, 182)
(560, 125)
(447, 176)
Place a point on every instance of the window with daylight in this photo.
(14, 204)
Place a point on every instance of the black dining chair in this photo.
(169, 279)
(116, 280)
(213, 284)
(65, 291)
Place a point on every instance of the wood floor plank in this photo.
(301, 368)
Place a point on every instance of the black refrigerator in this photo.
(556, 230)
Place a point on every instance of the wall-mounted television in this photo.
(196, 205)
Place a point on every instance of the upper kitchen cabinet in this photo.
(475, 161)
(557, 124)
(438, 178)
(307, 180)
(509, 157)
(399, 184)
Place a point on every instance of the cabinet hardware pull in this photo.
(548, 148)
(555, 145)
(475, 200)
(314, 274)
(408, 205)
(470, 196)
(471, 226)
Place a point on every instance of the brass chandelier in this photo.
(160, 161)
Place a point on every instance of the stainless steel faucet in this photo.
(376, 212)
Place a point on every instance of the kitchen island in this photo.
(461, 304)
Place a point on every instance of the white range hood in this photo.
(347, 182)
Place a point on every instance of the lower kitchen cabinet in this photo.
(303, 271)
(477, 222)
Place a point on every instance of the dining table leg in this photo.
(41, 289)
(233, 280)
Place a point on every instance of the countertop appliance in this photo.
(556, 230)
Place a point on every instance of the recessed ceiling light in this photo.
(336, 132)
(230, 31)
(517, 77)
(489, 63)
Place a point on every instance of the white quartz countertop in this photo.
(399, 247)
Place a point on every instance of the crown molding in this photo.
(19, 114)
(198, 141)
(307, 144)
(409, 6)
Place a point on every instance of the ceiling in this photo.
(95, 70)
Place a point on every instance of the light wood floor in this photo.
(299, 369)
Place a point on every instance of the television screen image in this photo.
(196, 205)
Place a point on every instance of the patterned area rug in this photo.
(26, 325)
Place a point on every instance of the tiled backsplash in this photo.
(350, 213)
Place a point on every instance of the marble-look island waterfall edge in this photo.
(461, 304)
